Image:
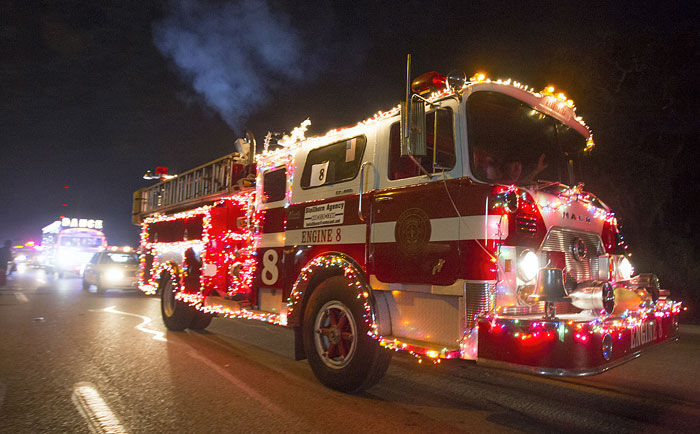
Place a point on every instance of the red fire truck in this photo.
(451, 226)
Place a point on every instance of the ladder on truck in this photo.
(189, 189)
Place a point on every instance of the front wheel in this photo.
(177, 315)
(341, 353)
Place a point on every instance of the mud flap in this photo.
(299, 353)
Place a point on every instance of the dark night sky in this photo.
(89, 101)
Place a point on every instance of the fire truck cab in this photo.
(450, 227)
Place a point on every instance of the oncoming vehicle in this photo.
(111, 270)
(451, 227)
(69, 243)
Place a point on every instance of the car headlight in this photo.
(528, 266)
(624, 269)
(114, 275)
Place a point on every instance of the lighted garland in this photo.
(232, 250)
(362, 294)
(574, 194)
(196, 300)
(209, 255)
(528, 331)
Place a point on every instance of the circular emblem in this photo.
(578, 249)
(412, 232)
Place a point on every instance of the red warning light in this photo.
(65, 186)
(428, 82)
(65, 204)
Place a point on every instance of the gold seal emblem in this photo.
(412, 232)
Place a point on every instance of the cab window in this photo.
(333, 163)
(440, 147)
(274, 185)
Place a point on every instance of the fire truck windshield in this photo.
(512, 143)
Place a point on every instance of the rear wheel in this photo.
(341, 353)
(177, 315)
(200, 320)
(86, 285)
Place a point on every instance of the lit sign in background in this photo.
(68, 222)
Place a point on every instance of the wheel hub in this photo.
(335, 334)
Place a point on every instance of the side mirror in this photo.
(413, 128)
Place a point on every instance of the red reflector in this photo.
(428, 82)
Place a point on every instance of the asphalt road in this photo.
(72, 361)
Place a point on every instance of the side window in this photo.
(333, 163)
(440, 146)
(274, 185)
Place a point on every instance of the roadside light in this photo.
(528, 266)
(114, 275)
(624, 269)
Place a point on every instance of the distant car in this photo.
(112, 270)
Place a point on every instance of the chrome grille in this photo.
(561, 239)
(479, 299)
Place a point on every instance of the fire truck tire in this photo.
(177, 315)
(341, 353)
(200, 320)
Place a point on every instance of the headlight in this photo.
(528, 265)
(65, 260)
(624, 269)
(114, 275)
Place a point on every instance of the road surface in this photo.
(72, 361)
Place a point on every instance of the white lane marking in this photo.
(240, 384)
(157, 335)
(95, 410)
(21, 297)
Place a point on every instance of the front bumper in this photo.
(574, 345)
(125, 283)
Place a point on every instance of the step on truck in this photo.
(452, 226)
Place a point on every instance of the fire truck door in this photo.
(414, 235)
(414, 232)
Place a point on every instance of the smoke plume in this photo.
(233, 54)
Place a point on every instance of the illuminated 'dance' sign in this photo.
(67, 222)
